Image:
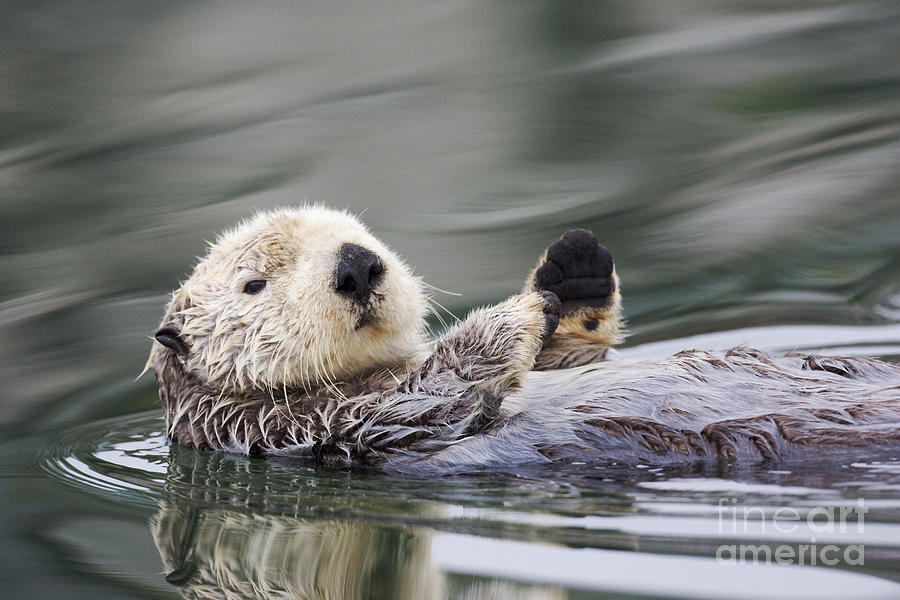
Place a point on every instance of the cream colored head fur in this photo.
(298, 330)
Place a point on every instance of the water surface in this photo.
(739, 159)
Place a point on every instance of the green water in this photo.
(740, 160)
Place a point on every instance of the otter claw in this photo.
(551, 313)
(578, 270)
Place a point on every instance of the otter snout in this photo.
(358, 272)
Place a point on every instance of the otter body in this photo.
(300, 334)
(736, 406)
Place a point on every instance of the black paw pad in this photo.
(578, 270)
(551, 313)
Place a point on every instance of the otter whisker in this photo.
(304, 369)
(329, 365)
(321, 372)
(434, 287)
(438, 315)
(287, 406)
(319, 365)
(330, 383)
(448, 311)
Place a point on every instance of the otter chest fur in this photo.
(301, 334)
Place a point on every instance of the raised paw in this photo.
(579, 271)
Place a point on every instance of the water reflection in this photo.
(230, 526)
(217, 552)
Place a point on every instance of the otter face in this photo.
(294, 297)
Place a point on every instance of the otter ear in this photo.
(170, 337)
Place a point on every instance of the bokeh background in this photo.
(740, 159)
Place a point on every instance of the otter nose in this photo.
(358, 272)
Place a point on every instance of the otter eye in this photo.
(255, 286)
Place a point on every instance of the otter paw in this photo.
(579, 271)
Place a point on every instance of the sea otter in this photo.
(301, 334)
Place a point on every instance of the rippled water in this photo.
(739, 159)
(226, 524)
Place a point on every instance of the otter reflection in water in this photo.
(220, 553)
(228, 529)
(300, 333)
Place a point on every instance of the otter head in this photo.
(293, 298)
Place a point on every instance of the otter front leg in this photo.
(581, 272)
(488, 355)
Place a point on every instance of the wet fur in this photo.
(473, 399)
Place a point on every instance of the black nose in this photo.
(358, 272)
